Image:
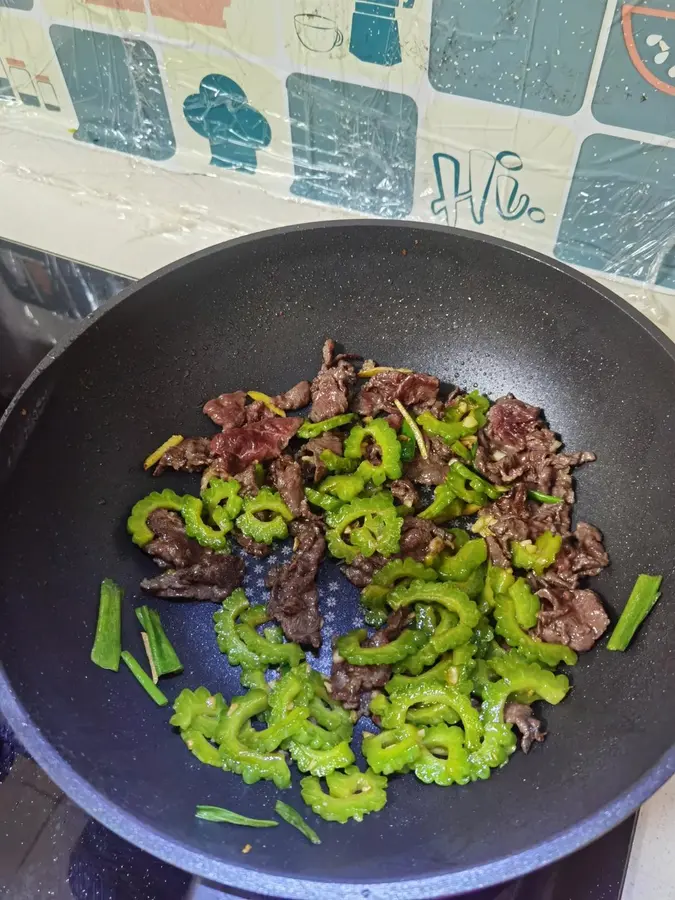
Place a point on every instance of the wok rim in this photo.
(129, 827)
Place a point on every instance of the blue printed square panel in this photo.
(17, 4)
(535, 54)
(116, 90)
(636, 85)
(353, 146)
(620, 211)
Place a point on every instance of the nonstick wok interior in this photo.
(253, 314)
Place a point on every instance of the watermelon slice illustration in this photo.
(649, 35)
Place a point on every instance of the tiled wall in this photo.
(548, 122)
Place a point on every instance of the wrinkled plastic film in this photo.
(543, 123)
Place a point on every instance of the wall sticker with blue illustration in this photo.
(17, 4)
(117, 92)
(636, 85)
(375, 36)
(235, 130)
(620, 210)
(353, 146)
(535, 54)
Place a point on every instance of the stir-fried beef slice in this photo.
(569, 614)
(171, 547)
(434, 469)
(552, 475)
(191, 455)
(309, 456)
(332, 385)
(214, 577)
(520, 715)
(379, 393)
(582, 555)
(372, 452)
(219, 469)
(248, 481)
(239, 447)
(392, 628)
(216, 469)
(420, 537)
(516, 518)
(227, 410)
(555, 517)
(509, 521)
(294, 398)
(294, 597)
(404, 491)
(254, 548)
(360, 572)
(573, 617)
(349, 683)
(287, 478)
(497, 555)
(516, 445)
(418, 391)
(414, 390)
(257, 411)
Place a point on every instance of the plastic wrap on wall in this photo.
(550, 124)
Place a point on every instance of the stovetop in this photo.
(49, 848)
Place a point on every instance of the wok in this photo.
(253, 313)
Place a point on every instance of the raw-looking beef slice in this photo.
(191, 455)
(239, 447)
(520, 715)
(510, 422)
(227, 410)
(214, 578)
(309, 455)
(515, 445)
(414, 390)
(294, 601)
(348, 683)
(171, 547)
(295, 398)
(332, 385)
(287, 479)
(573, 617)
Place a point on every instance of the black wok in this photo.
(253, 313)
